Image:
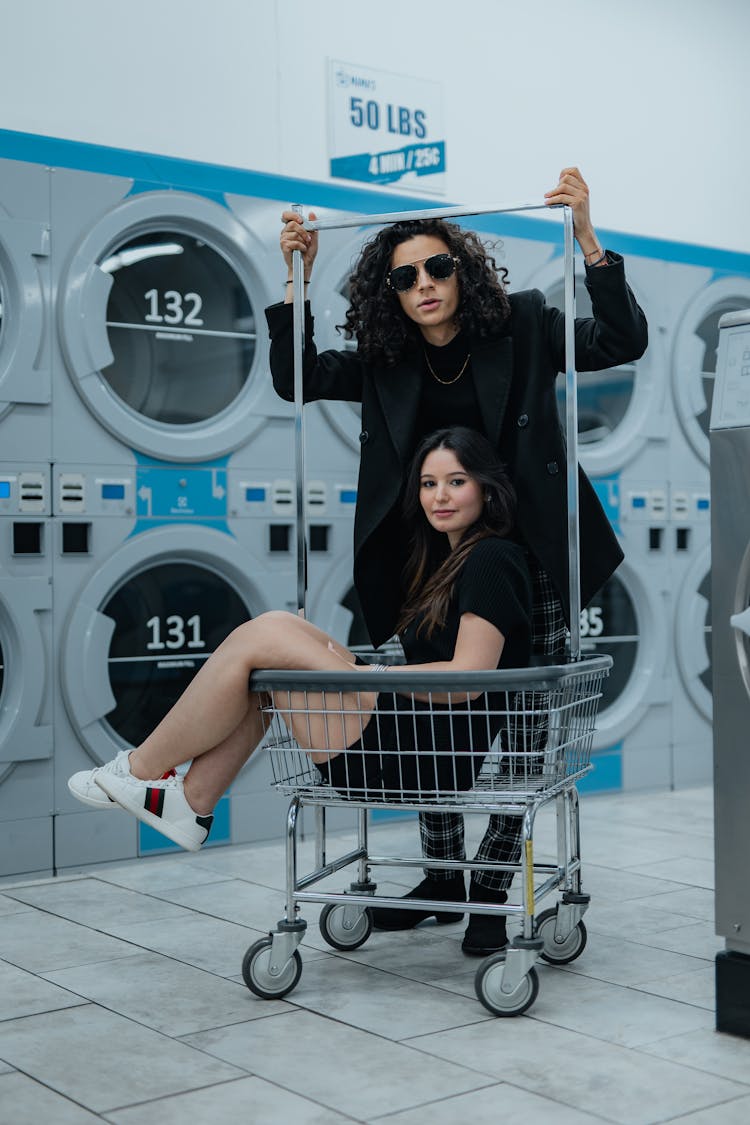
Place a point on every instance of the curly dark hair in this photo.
(430, 574)
(375, 318)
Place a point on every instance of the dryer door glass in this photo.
(2, 672)
(707, 331)
(168, 620)
(706, 677)
(609, 625)
(1, 311)
(180, 326)
(603, 396)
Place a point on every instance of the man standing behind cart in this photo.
(440, 342)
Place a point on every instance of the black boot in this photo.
(485, 933)
(450, 890)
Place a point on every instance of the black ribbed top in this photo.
(494, 584)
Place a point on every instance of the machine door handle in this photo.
(741, 621)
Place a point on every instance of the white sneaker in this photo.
(83, 786)
(161, 804)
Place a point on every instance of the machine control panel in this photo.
(731, 405)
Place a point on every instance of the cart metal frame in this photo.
(506, 982)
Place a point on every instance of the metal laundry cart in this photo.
(506, 742)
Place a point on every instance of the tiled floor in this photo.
(121, 997)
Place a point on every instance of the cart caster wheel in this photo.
(341, 930)
(256, 971)
(487, 985)
(559, 953)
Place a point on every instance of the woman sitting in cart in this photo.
(440, 342)
(467, 608)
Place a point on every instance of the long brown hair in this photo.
(430, 575)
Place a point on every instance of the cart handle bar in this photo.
(345, 219)
(571, 399)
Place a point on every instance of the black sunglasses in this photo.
(404, 278)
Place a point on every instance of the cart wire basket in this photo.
(505, 742)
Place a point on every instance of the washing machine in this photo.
(26, 679)
(629, 619)
(624, 413)
(730, 462)
(162, 350)
(151, 572)
(702, 296)
(332, 605)
(25, 387)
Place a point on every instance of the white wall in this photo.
(649, 97)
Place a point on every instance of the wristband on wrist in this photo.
(378, 668)
(597, 261)
(306, 280)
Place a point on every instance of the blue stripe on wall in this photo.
(606, 775)
(210, 179)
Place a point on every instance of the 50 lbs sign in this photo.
(399, 119)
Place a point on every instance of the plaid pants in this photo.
(442, 834)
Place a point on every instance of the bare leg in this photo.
(216, 722)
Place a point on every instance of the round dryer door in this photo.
(168, 620)
(180, 325)
(24, 374)
(339, 252)
(693, 633)
(24, 660)
(5, 767)
(626, 619)
(606, 399)
(609, 625)
(144, 625)
(159, 326)
(620, 409)
(695, 353)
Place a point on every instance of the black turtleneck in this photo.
(446, 400)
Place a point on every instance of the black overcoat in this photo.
(514, 376)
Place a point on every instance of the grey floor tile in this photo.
(689, 988)
(251, 905)
(368, 999)
(247, 904)
(23, 1101)
(11, 906)
(348, 1070)
(38, 942)
(24, 994)
(622, 920)
(251, 1101)
(426, 953)
(736, 1112)
(623, 1016)
(163, 994)
(692, 902)
(708, 1050)
(104, 1061)
(630, 962)
(93, 902)
(693, 872)
(490, 1106)
(697, 939)
(197, 939)
(582, 1072)
(154, 874)
(628, 845)
(611, 884)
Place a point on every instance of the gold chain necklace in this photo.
(447, 382)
